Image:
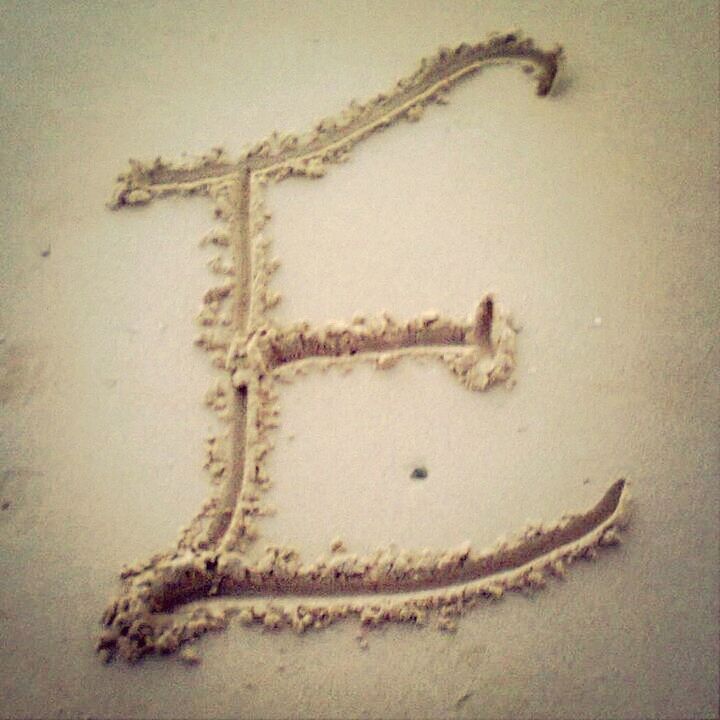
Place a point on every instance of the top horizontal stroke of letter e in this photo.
(154, 612)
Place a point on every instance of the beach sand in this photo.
(590, 214)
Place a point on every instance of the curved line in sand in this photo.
(158, 612)
(435, 76)
(233, 577)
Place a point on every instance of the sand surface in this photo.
(592, 214)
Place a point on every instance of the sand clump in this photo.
(217, 570)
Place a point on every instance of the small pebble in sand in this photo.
(337, 545)
(189, 656)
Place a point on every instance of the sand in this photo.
(588, 215)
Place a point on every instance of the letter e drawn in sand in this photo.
(216, 571)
